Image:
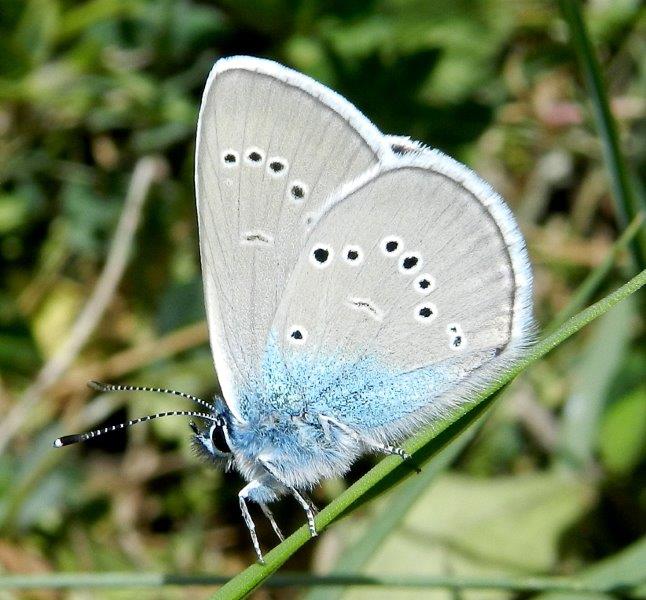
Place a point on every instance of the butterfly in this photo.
(357, 285)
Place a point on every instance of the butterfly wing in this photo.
(413, 280)
(272, 145)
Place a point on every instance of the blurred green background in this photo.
(92, 91)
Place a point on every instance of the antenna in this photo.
(109, 387)
(67, 440)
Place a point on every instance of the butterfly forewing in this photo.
(272, 145)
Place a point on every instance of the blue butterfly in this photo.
(357, 285)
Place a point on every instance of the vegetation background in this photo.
(98, 108)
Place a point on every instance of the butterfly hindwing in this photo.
(272, 145)
(425, 285)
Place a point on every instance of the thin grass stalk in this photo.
(53, 581)
(595, 278)
(628, 203)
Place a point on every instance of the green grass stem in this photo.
(628, 203)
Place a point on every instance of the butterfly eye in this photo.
(353, 255)
(391, 245)
(230, 158)
(425, 313)
(410, 262)
(424, 284)
(321, 256)
(219, 439)
(254, 156)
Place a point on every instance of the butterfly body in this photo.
(294, 424)
(298, 446)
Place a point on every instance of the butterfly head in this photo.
(213, 441)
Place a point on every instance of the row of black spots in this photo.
(253, 156)
(457, 341)
(297, 191)
(409, 262)
(321, 255)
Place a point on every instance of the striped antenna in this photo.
(67, 440)
(109, 387)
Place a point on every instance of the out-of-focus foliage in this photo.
(509, 524)
(89, 88)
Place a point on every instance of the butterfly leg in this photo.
(243, 495)
(313, 506)
(270, 518)
(307, 507)
(326, 422)
(308, 511)
(398, 452)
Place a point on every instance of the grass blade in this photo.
(390, 470)
(627, 202)
(623, 571)
(567, 585)
(594, 279)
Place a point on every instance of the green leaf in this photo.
(597, 365)
(13, 212)
(84, 15)
(390, 471)
(469, 526)
(622, 441)
(35, 32)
